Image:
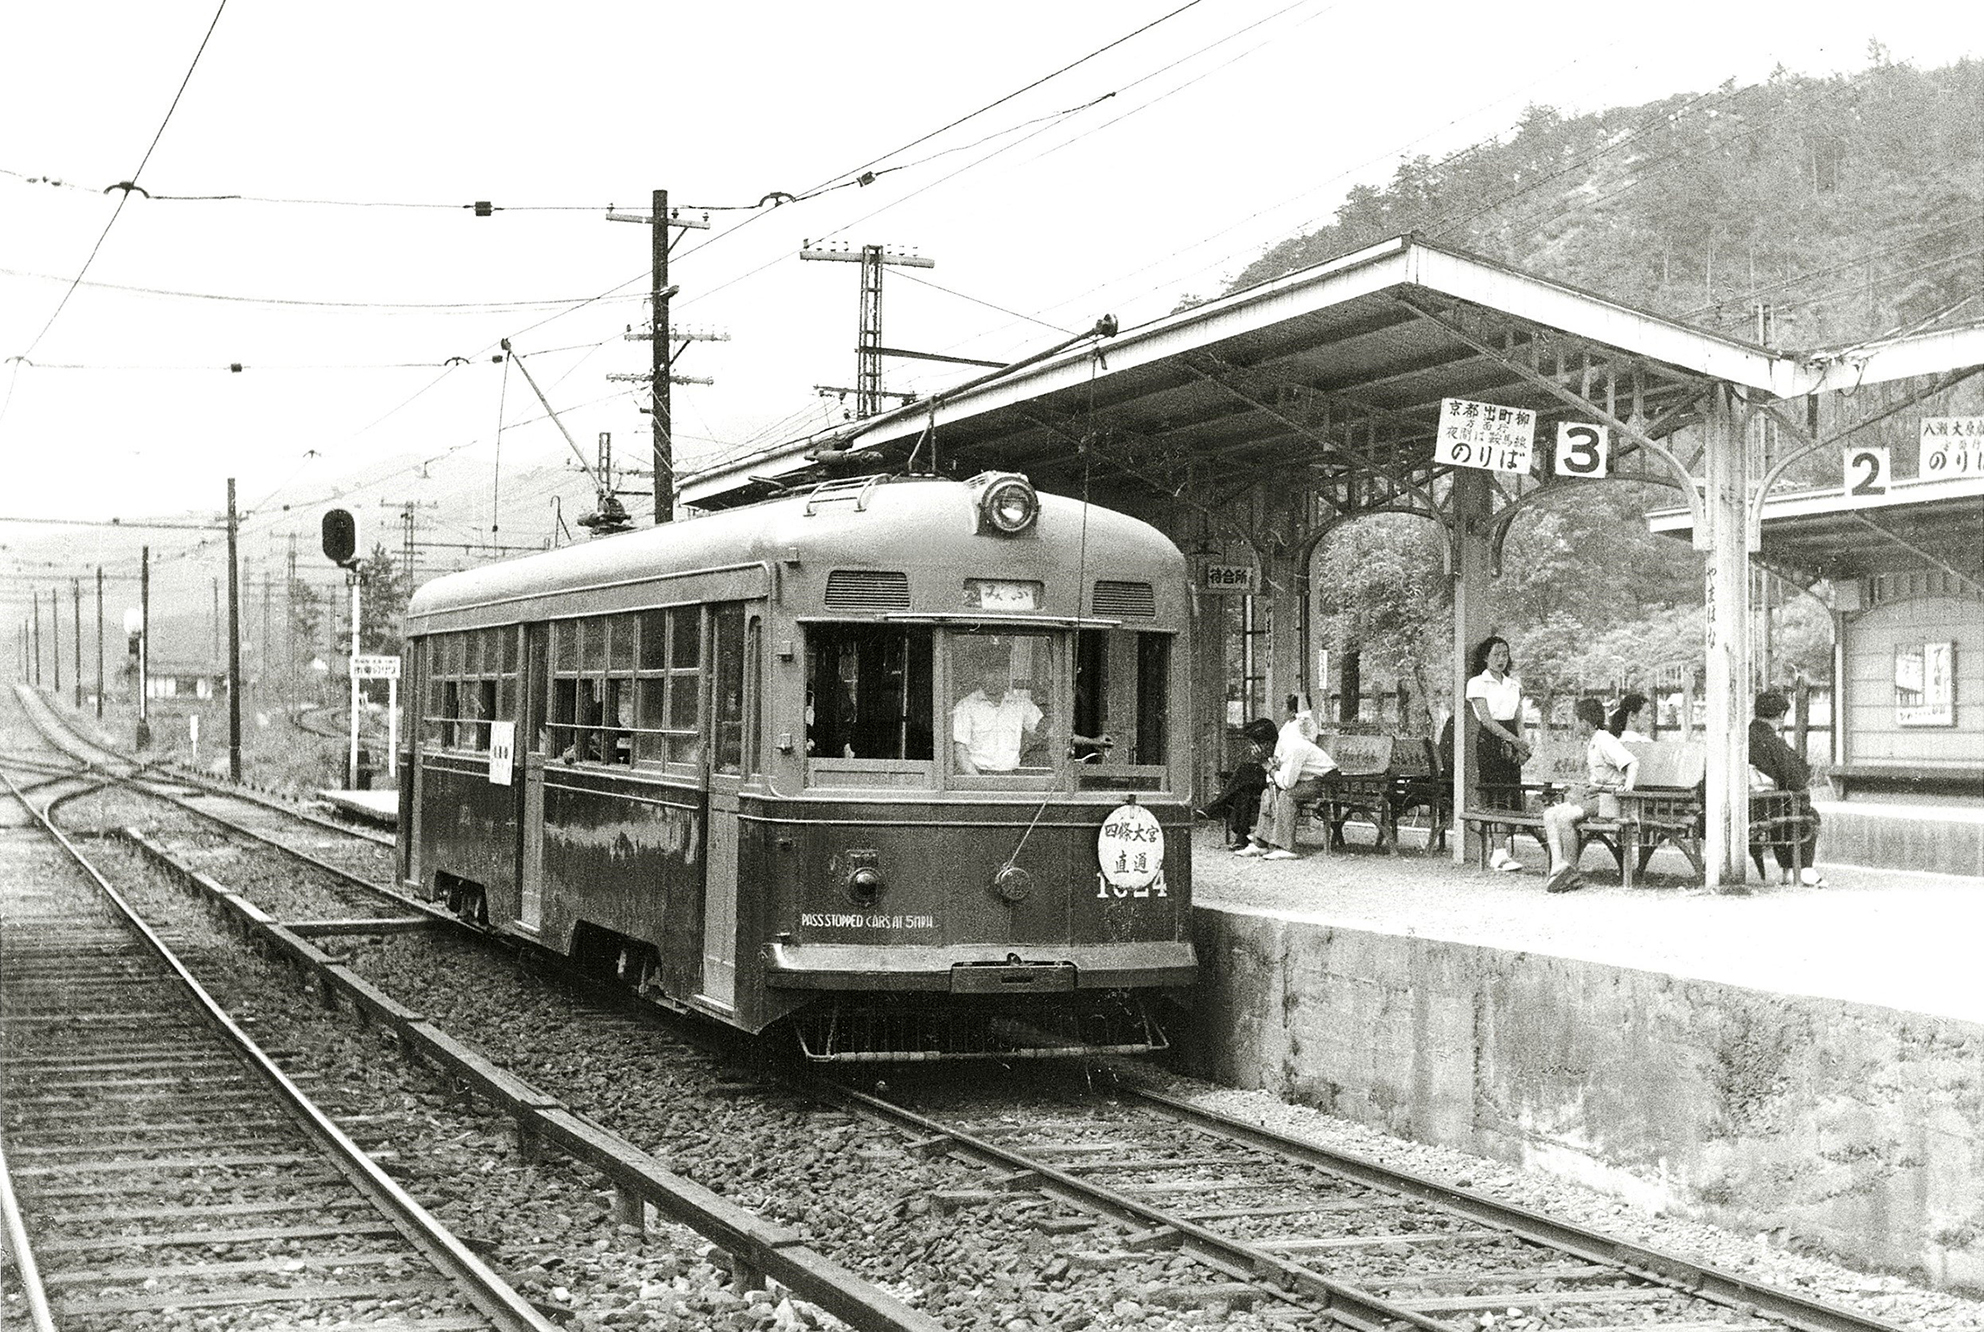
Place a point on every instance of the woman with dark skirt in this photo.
(1494, 692)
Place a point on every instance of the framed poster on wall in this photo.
(1925, 684)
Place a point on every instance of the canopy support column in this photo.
(1725, 847)
(1472, 535)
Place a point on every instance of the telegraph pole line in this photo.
(868, 390)
(233, 640)
(144, 647)
(99, 642)
(662, 356)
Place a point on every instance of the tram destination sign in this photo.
(1484, 435)
(1951, 446)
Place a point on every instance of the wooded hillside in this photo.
(1853, 206)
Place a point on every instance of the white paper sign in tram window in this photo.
(1583, 449)
(1952, 446)
(502, 751)
(1483, 435)
(1866, 467)
(1231, 580)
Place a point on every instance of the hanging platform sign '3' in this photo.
(1483, 435)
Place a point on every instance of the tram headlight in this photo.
(1007, 503)
(864, 877)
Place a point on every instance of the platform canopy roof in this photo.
(1913, 526)
(1337, 369)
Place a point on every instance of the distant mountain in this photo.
(1854, 205)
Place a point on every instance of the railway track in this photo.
(1109, 1199)
(158, 1162)
(1269, 1219)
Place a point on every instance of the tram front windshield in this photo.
(985, 699)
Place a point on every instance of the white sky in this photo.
(1234, 124)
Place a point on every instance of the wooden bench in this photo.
(1664, 808)
(1379, 778)
(1421, 780)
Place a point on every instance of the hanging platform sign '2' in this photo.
(1483, 435)
(1129, 854)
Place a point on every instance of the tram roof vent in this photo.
(1123, 599)
(867, 590)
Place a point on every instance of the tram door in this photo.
(728, 711)
(530, 753)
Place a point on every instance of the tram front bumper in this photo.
(979, 969)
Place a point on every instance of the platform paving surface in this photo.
(1878, 936)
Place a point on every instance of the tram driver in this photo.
(990, 725)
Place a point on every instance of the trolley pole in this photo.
(233, 641)
(144, 647)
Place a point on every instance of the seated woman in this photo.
(1625, 721)
(1779, 765)
(1609, 766)
(1297, 771)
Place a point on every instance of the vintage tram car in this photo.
(898, 763)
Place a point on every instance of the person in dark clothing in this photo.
(1239, 802)
(1773, 761)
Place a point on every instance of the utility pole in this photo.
(661, 359)
(55, 636)
(144, 647)
(37, 637)
(99, 642)
(233, 641)
(76, 625)
(868, 390)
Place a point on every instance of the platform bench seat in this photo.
(1665, 807)
(1379, 778)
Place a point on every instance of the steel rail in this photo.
(1350, 1305)
(488, 1292)
(26, 1271)
(1655, 1265)
(757, 1247)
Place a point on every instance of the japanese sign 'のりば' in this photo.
(1483, 435)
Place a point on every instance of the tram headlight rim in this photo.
(1007, 503)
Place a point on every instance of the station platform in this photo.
(380, 807)
(1802, 1061)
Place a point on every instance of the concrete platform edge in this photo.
(1851, 1127)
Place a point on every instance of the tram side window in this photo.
(464, 685)
(868, 691)
(667, 687)
(727, 694)
(1122, 690)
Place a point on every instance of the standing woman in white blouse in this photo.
(1494, 692)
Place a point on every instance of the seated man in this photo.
(1297, 770)
(990, 724)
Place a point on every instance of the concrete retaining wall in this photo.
(1857, 1128)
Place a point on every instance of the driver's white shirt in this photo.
(990, 732)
